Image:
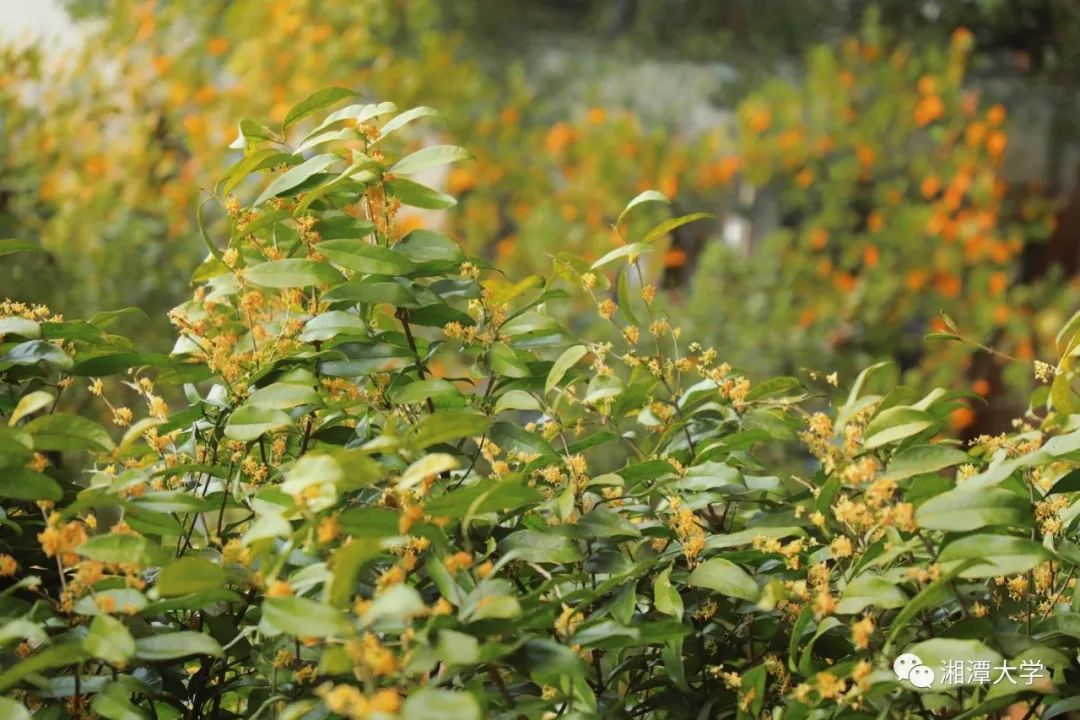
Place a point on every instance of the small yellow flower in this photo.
(606, 308)
(279, 588)
(861, 633)
(841, 547)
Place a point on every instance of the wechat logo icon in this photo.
(909, 667)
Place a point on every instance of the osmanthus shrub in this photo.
(398, 488)
(889, 175)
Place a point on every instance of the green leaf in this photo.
(430, 250)
(373, 290)
(16, 446)
(293, 273)
(541, 547)
(171, 646)
(294, 177)
(896, 423)
(870, 590)
(511, 436)
(414, 194)
(638, 248)
(456, 648)
(51, 657)
(921, 459)
(430, 157)
(110, 641)
(645, 197)
(315, 102)
(668, 225)
(329, 325)
(284, 395)
(22, 483)
(317, 477)
(67, 432)
(404, 119)
(249, 164)
(349, 559)
(724, 577)
(15, 325)
(362, 256)
(248, 422)
(963, 509)
(504, 495)
(121, 548)
(1062, 397)
(432, 464)
(9, 708)
(10, 246)
(504, 361)
(358, 113)
(1061, 707)
(565, 361)
(433, 704)
(305, 618)
(114, 703)
(777, 387)
(188, 575)
(421, 390)
(999, 555)
(448, 425)
(32, 352)
(250, 130)
(370, 522)
(516, 400)
(746, 537)
(666, 598)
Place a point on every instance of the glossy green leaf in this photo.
(188, 575)
(563, 363)
(362, 256)
(170, 646)
(67, 432)
(435, 704)
(318, 100)
(10, 246)
(726, 578)
(121, 548)
(110, 641)
(292, 273)
(896, 424)
(248, 422)
(294, 177)
(24, 484)
(921, 459)
(305, 618)
(965, 509)
(414, 194)
(673, 224)
(430, 157)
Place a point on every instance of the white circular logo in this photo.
(921, 676)
(910, 667)
(902, 665)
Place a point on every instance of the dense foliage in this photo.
(887, 173)
(880, 163)
(399, 487)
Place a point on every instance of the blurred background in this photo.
(870, 165)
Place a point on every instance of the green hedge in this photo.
(396, 486)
